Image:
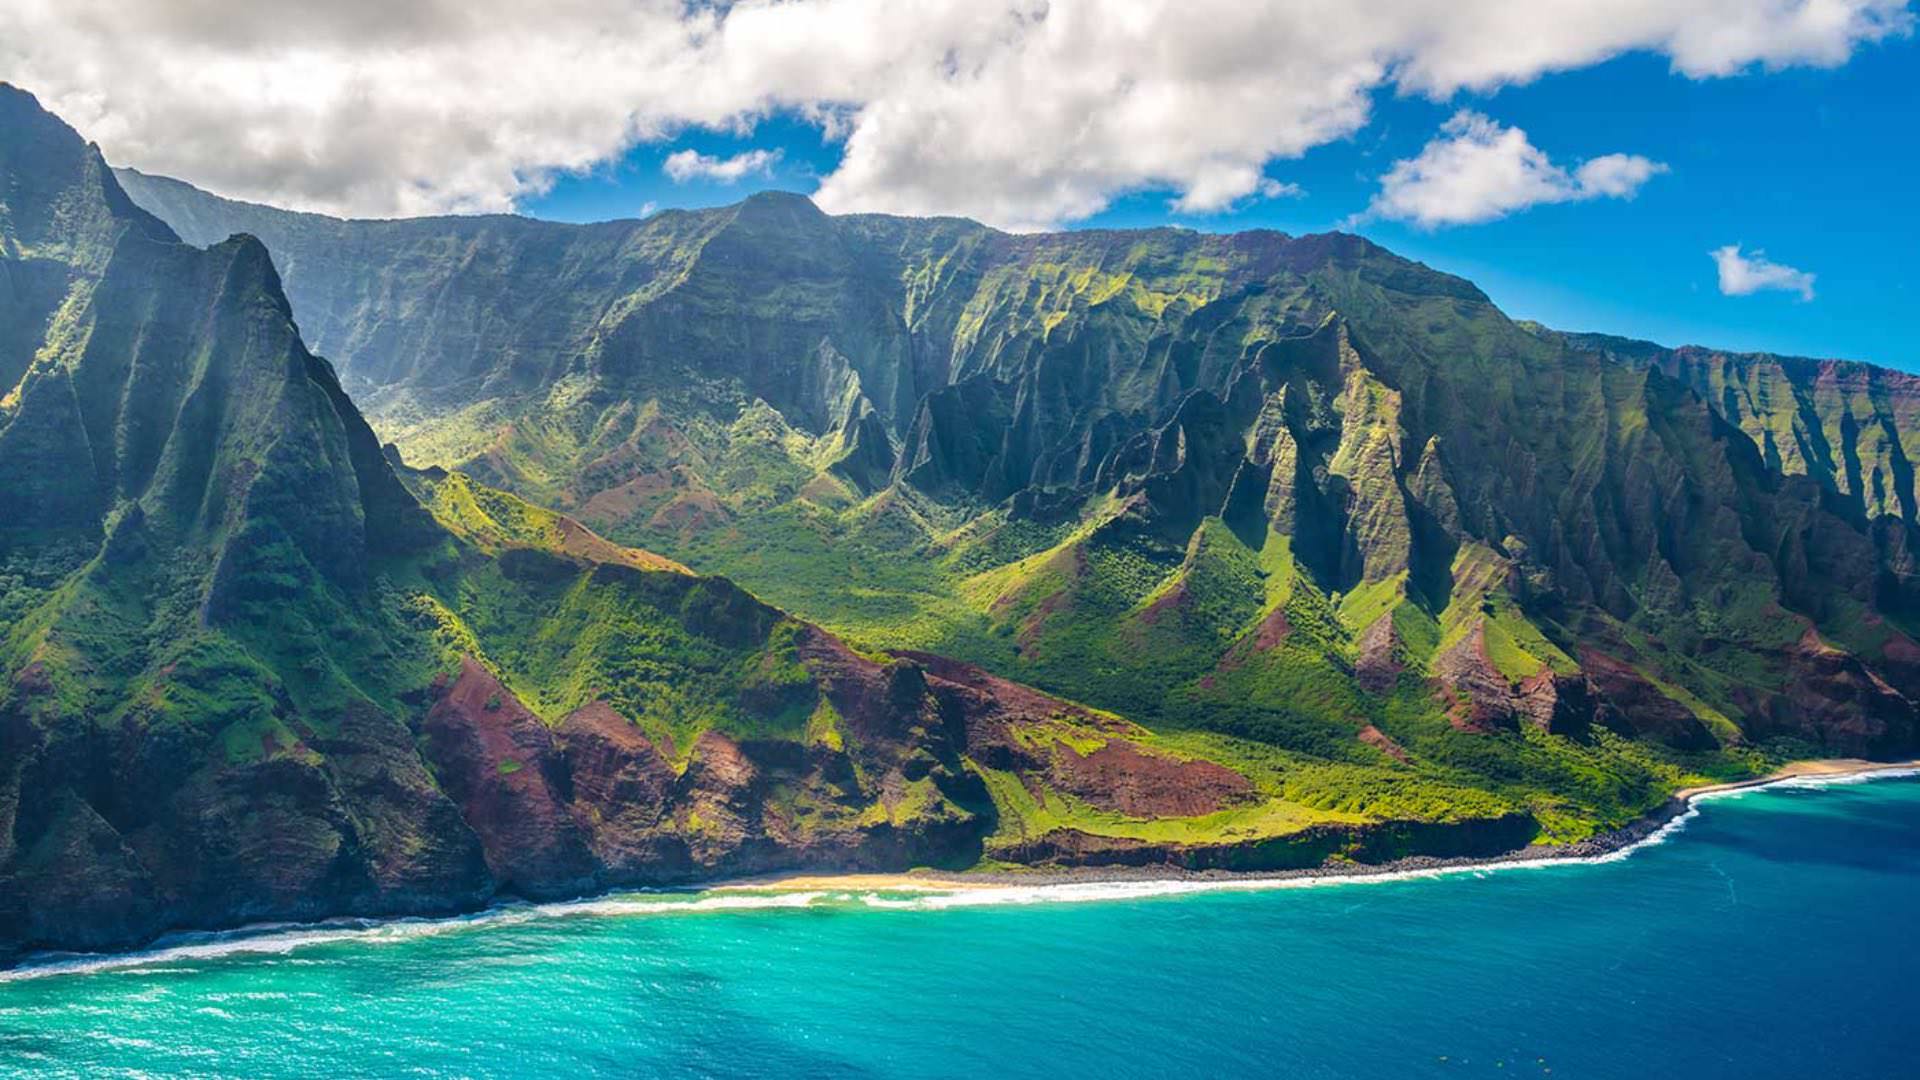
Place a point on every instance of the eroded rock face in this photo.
(1380, 416)
(1555, 703)
(597, 802)
(1466, 671)
(118, 835)
(1634, 705)
(622, 788)
(1377, 665)
(499, 764)
(1841, 701)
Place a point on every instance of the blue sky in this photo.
(1815, 167)
(1579, 159)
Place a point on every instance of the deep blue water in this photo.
(1773, 936)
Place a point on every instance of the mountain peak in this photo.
(776, 197)
(61, 201)
(782, 208)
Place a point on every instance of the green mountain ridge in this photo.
(255, 668)
(1121, 461)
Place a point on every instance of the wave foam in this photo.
(279, 939)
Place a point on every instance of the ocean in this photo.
(1771, 934)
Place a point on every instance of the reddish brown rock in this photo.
(1170, 601)
(1555, 703)
(498, 763)
(717, 809)
(989, 708)
(32, 679)
(1378, 665)
(1269, 635)
(1631, 703)
(1380, 741)
(1832, 698)
(622, 788)
(1123, 778)
(417, 848)
(1465, 669)
(1273, 630)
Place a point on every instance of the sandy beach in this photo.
(1826, 767)
(1605, 844)
(904, 882)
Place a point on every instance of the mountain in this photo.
(252, 667)
(1295, 490)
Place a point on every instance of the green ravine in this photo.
(1310, 553)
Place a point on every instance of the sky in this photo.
(1737, 173)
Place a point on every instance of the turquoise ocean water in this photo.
(1774, 935)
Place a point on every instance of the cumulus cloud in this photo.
(1478, 171)
(1744, 275)
(685, 165)
(1615, 176)
(1230, 191)
(1023, 113)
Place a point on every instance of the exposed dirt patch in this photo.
(995, 697)
(692, 511)
(1123, 778)
(612, 505)
(1377, 667)
(1034, 623)
(1273, 630)
(1169, 602)
(1268, 636)
(620, 777)
(1380, 741)
(1466, 669)
(1901, 649)
(1832, 697)
(578, 540)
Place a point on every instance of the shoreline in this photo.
(1613, 843)
(928, 887)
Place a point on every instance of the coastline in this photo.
(932, 889)
(1614, 843)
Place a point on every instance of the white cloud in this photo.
(1024, 113)
(685, 165)
(1615, 176)
(1744, 275)
(1478, 171)
(1228, 190)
